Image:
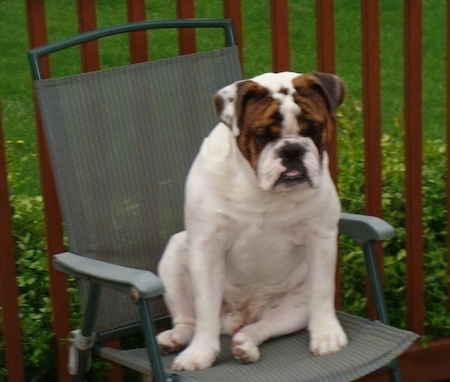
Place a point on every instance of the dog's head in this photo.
(283, 124)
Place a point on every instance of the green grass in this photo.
(15, 81)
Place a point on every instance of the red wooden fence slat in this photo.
(54, 230)
(326, 57)
(232, 9)
(280, 35)
(12, 333)
(448, 140)
(372, 105)
(186, 36)
(37, 30)
(370, 28)
(413, 164)
(326, 60)
(137, 40)
(87, 21)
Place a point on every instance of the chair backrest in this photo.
(121, 142)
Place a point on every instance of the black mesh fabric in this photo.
(121, 143)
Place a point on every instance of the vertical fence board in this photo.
(326, 62)
(448, 140)
(54, 231)
(413, 165)
(87, 21)
(186, 36)
(372, 105)
(12, 333)
(370, 20)
(37, 30)
(326, 59)
(232, 9)
(280, 35)
(137, 40)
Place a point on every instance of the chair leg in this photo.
(375, 282)
(149, 331)
(83, 340)
(380, 303)
(395, 374)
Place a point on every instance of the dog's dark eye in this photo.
(263, 139)
(313, 129)
(263, 135)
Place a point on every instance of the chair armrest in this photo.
(138, 283)
(363, 228)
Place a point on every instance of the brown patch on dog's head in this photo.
(316, 93)
(254, 116)
(258, 120)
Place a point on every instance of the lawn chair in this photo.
(121, 142)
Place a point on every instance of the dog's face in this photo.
(283, 123)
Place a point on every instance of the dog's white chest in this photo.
(263, 247)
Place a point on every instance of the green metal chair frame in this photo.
(143, 285)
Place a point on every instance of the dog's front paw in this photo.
(196, 358)
(327, 336)
(175, 339)
(244, 348)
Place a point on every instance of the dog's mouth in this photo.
(293, 177)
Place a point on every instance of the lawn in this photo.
(15, 81)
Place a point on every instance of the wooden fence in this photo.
(418, 364)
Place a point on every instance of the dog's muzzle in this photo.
(292, 156)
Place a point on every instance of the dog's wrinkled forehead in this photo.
(279, 86)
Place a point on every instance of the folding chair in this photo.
(121, 142)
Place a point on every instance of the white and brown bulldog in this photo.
(258, 257)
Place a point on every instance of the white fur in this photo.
(252, 263)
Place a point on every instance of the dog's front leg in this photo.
(325, 330)
(207, 267)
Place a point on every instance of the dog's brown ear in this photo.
(333, 88)
(231, 100)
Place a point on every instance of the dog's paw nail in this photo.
(328, 343)
(244, 349)
(170, 341)
(195, 358)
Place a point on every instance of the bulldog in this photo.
(257, 259)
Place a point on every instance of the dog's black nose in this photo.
(292, 152)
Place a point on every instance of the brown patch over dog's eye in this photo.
(314, 130)
(312, 99)
(260, 122)
(264, 135)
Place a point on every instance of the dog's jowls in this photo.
(258, 256)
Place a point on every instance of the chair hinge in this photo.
(78, 343)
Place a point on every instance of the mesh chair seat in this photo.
(371, 346)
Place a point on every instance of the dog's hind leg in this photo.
(174, 272)
(286, 316)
